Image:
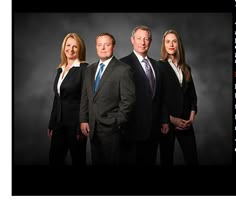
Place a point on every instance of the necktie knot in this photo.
(147, 66)
(101, 67)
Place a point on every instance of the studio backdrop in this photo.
(37, 38)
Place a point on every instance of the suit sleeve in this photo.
(52, 120)
(84, 103)
(193, 96)
(127, 94)
(164, 113)
(82, 77)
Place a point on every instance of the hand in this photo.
(85, 129)
(189, 123)
(165, 128)
(50, 132)
(179, 123)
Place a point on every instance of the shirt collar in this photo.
(140, 58)
(106, 62)
(76, 63)
(171, 62)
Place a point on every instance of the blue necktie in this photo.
(98, 77)
(150, 75)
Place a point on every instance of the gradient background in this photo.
(37, 39)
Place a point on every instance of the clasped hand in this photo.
(181, 124)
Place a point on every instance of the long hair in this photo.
(180, 54)
(81, 48)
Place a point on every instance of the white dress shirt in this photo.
(140, 58)
(177, 70)
(76, 63)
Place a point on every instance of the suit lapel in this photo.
(69, 74)
(106, 73)
(71, 71)
(156, 70)
(184, 85)
(137, 64)
(67, 77)
(142, 72)
(59, 70)
(92, 76)
(173, 74)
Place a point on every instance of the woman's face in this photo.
(171, 44)
(71, 49)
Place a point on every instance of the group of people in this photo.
(128, 107)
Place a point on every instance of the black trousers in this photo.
(63, 140)
(105, 145)
(146, 152)
(142, 152)
(187, 141)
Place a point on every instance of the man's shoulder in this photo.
(91, 65)
(162, 66)
(126, 58)
(160, 63)
(153, 61)
(123, 65)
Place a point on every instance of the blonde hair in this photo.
(81, 48)
(180, 54)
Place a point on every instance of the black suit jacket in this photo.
(66, 106)
(147, 115)
(179, 100)
(114, 99)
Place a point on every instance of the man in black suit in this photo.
(108, 98)
(143, 134)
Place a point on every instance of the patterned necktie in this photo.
(98, 77)
(149, 75)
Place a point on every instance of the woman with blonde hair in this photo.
(63, 128)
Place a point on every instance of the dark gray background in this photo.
(37, 39)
